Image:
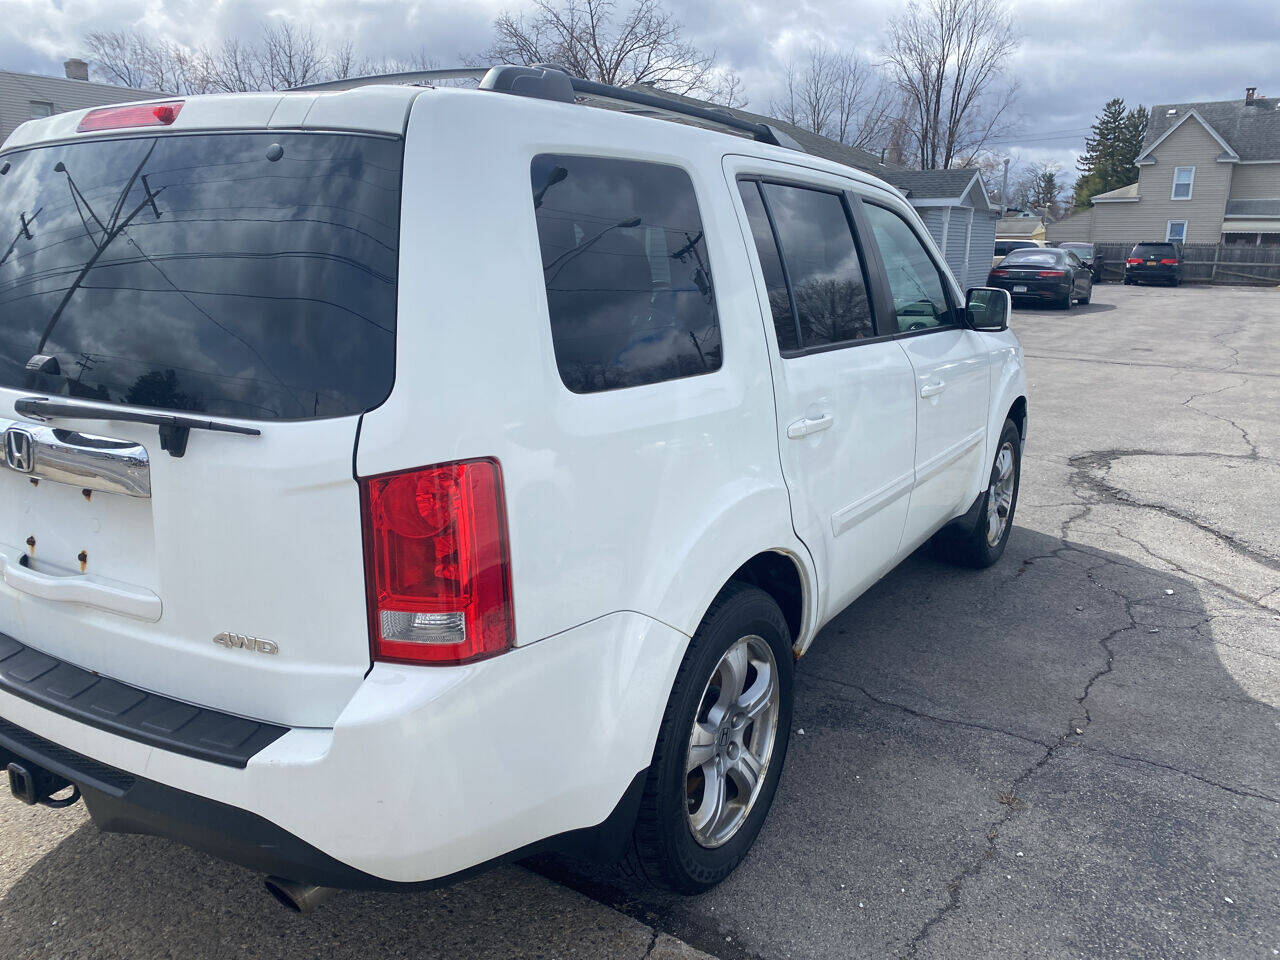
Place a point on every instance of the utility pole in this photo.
(1004, 189)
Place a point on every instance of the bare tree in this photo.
(283, 55)
(948, 58)
(838, 95)
(596, 40)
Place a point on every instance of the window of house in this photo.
(40, 109)
(1183, 178)
(1176, 231)
(628, 278)
(827, 299)
(920, 300)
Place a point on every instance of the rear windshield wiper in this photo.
(174, 428)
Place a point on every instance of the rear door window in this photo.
(626, 269)
(827, 303)
(241, 275)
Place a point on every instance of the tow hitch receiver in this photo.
(33, 785)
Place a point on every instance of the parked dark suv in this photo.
(1154, 262)
(1088, 255)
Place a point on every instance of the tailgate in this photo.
(239, 279)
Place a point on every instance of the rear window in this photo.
(240, 275)
(1036, 255)
(1154, 250)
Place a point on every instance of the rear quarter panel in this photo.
(645, 498)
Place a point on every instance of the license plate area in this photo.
(1019, 289)
(68, 530)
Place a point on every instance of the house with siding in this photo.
(30, 96)
(954, 204)
(1207, 173)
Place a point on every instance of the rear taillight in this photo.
(1168, 262)
(998, 273)
(1050, 274)
(144, 115)
(1134, 260)
(437, 565)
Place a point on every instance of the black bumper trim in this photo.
(120, 802)
(129, 712)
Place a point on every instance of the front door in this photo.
(843, 394)
(949, 362)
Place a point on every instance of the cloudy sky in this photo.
(1074, 55)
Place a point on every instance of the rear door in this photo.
(950, 367)
(843, 392)
(244, 279)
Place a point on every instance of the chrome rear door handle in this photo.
(805, 426)
(932, 389)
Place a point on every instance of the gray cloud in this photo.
(1074, 56)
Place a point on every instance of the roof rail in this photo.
(411, 77)
(547, 81)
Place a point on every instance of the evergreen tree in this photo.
(1110, 151)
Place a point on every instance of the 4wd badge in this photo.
(238, 641)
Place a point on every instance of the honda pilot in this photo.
(401, 478)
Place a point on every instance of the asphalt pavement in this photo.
(1075, 753)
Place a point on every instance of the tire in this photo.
(974, 547)
(1065, 302)
(665, 849)
(1084, 300)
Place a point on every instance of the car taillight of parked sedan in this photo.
(1051, 274)
(1132, 260)
(1168, 262)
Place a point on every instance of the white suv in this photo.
(399, 478)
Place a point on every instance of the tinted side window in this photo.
(625, 264)
(828, 288)
(919, 292)
(784, 321)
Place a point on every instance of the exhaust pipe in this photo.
(298, 897)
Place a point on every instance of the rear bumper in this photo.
(1035, 289)
(1163, 274)
(428, 773)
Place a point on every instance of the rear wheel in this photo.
(984, 544)
(720, 748)
(1065, 302)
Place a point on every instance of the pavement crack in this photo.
(922, 715)
(653, 942)
(1090, 471)
(1208, 781)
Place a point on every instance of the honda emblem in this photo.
(18, 450)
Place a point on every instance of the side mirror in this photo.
(988, 308)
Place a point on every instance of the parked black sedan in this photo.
(1088, 255)
(1159, 262)
(1047, 275)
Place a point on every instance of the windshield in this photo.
(1082, 250)
(241, 275)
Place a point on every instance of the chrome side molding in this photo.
(79, 459)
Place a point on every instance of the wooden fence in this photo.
(1206, 262)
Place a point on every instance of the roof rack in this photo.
(545, 81)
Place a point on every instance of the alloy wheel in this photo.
(1000, 495)
(732, 740)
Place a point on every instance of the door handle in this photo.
(932, 389)
(808, 425)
